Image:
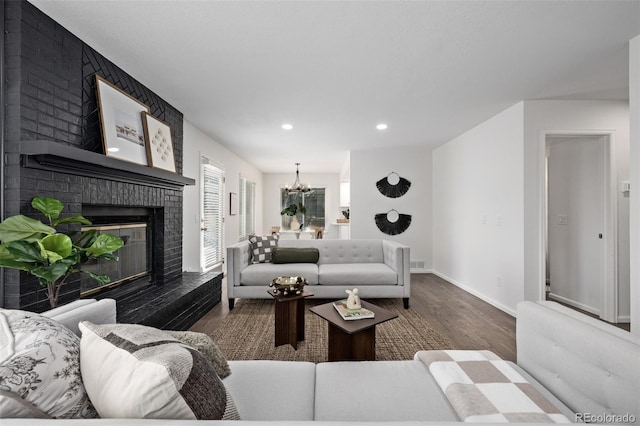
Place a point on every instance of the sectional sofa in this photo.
(378, 268)
(587, 369)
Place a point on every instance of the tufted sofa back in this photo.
(342, 251)
(591, 366)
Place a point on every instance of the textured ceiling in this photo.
(334, 69)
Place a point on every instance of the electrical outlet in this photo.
(483, 219)
(499, 281)
(499, 220)
(563, 219)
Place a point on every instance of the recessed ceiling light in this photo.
(287, 126)
(113, 149)
(381, 126)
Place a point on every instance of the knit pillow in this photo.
(262, 247)
(207, 346)
(134, 371)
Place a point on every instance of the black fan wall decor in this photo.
(386, 223)
(393, 185)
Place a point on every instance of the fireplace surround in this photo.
(53, 147)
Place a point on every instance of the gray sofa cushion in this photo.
(272, 390)
(356, 274)
(379, 391)
(262, 273)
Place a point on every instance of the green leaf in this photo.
(108, 256)
(105, 243)
(73, 219)
(86, 238)
(21, 227)
(50, 207)
(14, 264)
(23, 251)
(59, 244)
(50, 273)
(102, 279)
(52, 256)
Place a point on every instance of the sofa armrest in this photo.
(591, 366)
(98, 312)
(396, 256)
(237, 259)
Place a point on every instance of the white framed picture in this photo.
(121, 123)
(159, 143)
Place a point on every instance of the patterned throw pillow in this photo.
(135, 371)
(207, 346)
(262, 247)
(40, 369)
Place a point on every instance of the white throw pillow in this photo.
(40, 369)
(135, 371)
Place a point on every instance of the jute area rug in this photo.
(248, 333)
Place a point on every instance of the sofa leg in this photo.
(405, 300)
(231, 302)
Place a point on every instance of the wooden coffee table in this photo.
(353, 340)
(289, 321)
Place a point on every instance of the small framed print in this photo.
(121, 123)
(233, 203)
(159, 143)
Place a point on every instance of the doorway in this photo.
(581, 229)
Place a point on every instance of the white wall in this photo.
(273, 182)
(569, 116)
(634, 106)
(414, 164)
(196, 144)
(478, 210)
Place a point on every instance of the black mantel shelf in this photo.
(53, 156)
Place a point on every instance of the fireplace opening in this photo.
(135, 227)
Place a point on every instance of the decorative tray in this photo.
(288, 286)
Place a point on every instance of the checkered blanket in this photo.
(483, 388)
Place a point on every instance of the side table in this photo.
(289, 318)
(353, 340)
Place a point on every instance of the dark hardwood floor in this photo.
(467, 321)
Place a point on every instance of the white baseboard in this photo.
(420, 271)
(481, 296)
(575, 304)
(624, 318)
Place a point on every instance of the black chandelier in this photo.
(297, 185)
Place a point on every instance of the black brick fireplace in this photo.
(53, 146)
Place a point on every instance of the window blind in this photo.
(212, 216)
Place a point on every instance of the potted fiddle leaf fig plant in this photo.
(49, 255)
(292, 210)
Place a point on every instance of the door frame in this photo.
(609, 309)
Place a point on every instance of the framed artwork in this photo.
(159, 143)
(233, 203)
(121, 122)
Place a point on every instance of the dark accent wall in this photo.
(50, 95)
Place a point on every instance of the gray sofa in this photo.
(581, 365)
(378, 268)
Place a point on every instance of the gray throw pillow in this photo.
(207, 346)
(262, 246)
(134, 371)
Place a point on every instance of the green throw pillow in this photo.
(295, 255)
